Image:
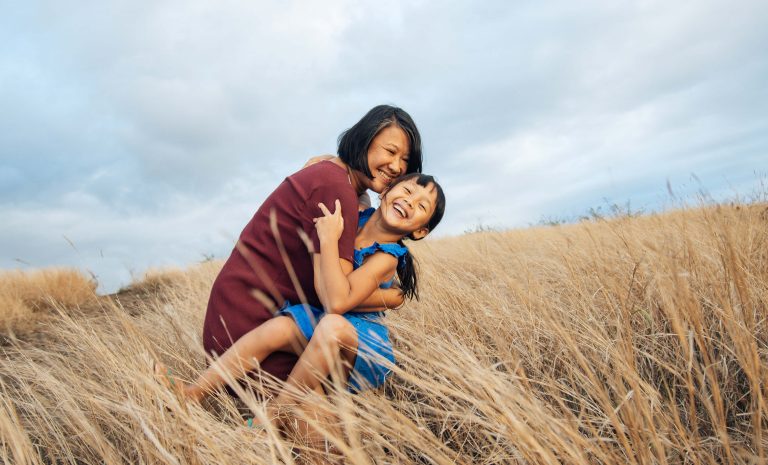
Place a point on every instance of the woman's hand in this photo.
(330, 225)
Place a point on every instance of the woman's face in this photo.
(387, 158)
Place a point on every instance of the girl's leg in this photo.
(314, 425)
(334, 340)
(278, 334)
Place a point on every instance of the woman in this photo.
(258, 279)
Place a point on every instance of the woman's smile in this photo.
(385, 178)
(387, 157)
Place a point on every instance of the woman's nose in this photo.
(397, 166)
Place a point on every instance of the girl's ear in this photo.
(419, 234)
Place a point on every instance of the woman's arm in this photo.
(343, 292)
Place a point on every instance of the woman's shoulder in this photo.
(325, 167)
(324, 178)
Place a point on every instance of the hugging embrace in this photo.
(309, 282)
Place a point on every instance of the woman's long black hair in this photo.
(407, 269)
(354, 142)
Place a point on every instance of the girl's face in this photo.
(387, 158)
(408, 207)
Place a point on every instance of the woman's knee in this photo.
(336, 328)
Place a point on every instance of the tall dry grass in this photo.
(28, 296)
(634, 340)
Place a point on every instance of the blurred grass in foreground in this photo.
(625, 340)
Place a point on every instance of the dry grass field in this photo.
(629, 340)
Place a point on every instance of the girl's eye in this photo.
(407, 190)
(423, 207)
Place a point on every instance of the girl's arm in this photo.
(382, 299)
(319, 283)
(346, 292)
(346, 268)
(343, 292)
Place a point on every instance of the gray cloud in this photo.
(149, 130)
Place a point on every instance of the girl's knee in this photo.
(336, 328)
(284, 323)
(287, 330)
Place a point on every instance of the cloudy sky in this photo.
(138, 134)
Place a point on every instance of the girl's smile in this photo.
(408, 206)
(400, 210)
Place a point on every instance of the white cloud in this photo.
(114, 244)
(141, 130)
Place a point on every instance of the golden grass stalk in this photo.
(633, 340)
(26, 295)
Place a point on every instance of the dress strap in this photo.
(364, 216)
(396, 250)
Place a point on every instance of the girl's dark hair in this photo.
(407, 269)
(354, 142)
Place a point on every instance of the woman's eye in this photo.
(423, 207)
(407, 190)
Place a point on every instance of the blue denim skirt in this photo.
(374, 349)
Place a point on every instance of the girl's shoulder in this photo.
(396, 250)
(363, 216)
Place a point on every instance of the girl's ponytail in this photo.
(406, 274)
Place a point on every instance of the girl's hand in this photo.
(318, 159)
(330, 225)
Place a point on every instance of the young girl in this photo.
(412, 207)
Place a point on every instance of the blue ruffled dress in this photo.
(374, 349)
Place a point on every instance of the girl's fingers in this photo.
(327, 212)
(324, 209)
